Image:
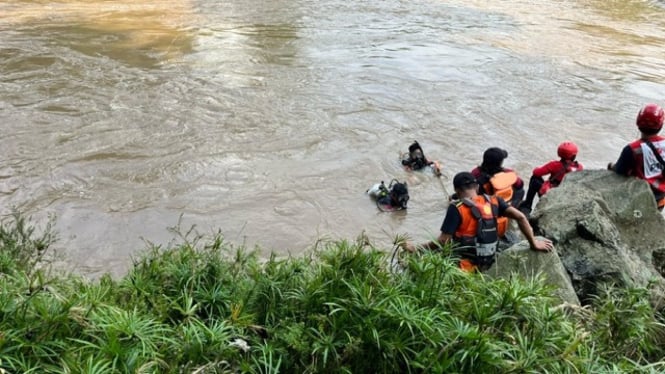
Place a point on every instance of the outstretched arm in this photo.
(436, 244)
(450, 224)
(525, 228)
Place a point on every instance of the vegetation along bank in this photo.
(203, 306)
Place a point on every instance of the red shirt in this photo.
(557, 170)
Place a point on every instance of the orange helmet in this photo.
(650, 117)
(567, 150)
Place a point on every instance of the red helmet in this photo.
(650, 117)
(567, 150)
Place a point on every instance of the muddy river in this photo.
(268, 120)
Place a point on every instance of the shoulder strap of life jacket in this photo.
(476, 206)
(484, 213)
(472, 205)
(656, 153)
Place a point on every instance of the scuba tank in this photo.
(378, 191)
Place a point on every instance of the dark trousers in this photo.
(534, 186)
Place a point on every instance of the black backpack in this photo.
(485, 242)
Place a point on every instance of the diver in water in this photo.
(416, 160)
(391, 198)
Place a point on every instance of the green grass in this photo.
(203, 306)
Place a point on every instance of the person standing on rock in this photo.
(471, 225)
(643, 158)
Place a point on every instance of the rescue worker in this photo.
(460, 226)
(556, 169)
(391, 198)
(416, 160)
(494, 179)
(643, 158)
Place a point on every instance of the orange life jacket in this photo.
(501, 185)
(467, 266)
(478, 230)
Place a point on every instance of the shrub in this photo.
(202, 306)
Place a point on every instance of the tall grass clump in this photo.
(626, 326)
(203, 306)
(21, 246)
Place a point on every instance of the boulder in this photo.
(520, 259)
(607, 231)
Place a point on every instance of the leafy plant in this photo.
(202, 306)
(21, 247)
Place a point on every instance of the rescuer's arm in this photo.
(525, 228)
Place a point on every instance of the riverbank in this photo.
(204, 306)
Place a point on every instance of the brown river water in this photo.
(268, 120)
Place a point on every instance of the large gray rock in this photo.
(521, 260)
(607, 230)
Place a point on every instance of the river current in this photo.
(268, 120)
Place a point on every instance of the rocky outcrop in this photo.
(606, 230)
(520, 259)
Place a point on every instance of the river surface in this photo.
(268, 120)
